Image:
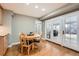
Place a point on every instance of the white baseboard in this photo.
(15, 43)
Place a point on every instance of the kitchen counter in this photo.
(3, 34)
(3, 31)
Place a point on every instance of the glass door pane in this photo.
(56, 32)
(70, 35)
(74, 32)
(48, 31)
(67, 30)
(39, 28)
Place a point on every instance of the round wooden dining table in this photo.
(30, 39)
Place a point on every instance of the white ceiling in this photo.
(30, 10)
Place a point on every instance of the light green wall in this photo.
(16, 24)
(20, 24)
(7, 21)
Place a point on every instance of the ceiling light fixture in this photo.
(43, 9)
(36, 6)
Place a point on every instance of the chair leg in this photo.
(21, 49)
(28, 50)
(33, 47)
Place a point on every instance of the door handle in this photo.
(63, 32)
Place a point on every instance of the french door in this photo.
(67, 30)
(38, 28)
(74, 32)
(70, 32)
(56, 31)
(64, 30)
(48, 30)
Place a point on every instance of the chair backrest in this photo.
(22, 38)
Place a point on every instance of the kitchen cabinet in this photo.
(3, 44)
(0, 16)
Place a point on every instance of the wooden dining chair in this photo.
(25, 42)
(22, 35)
(37, 40)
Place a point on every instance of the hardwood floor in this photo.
(46, 48)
